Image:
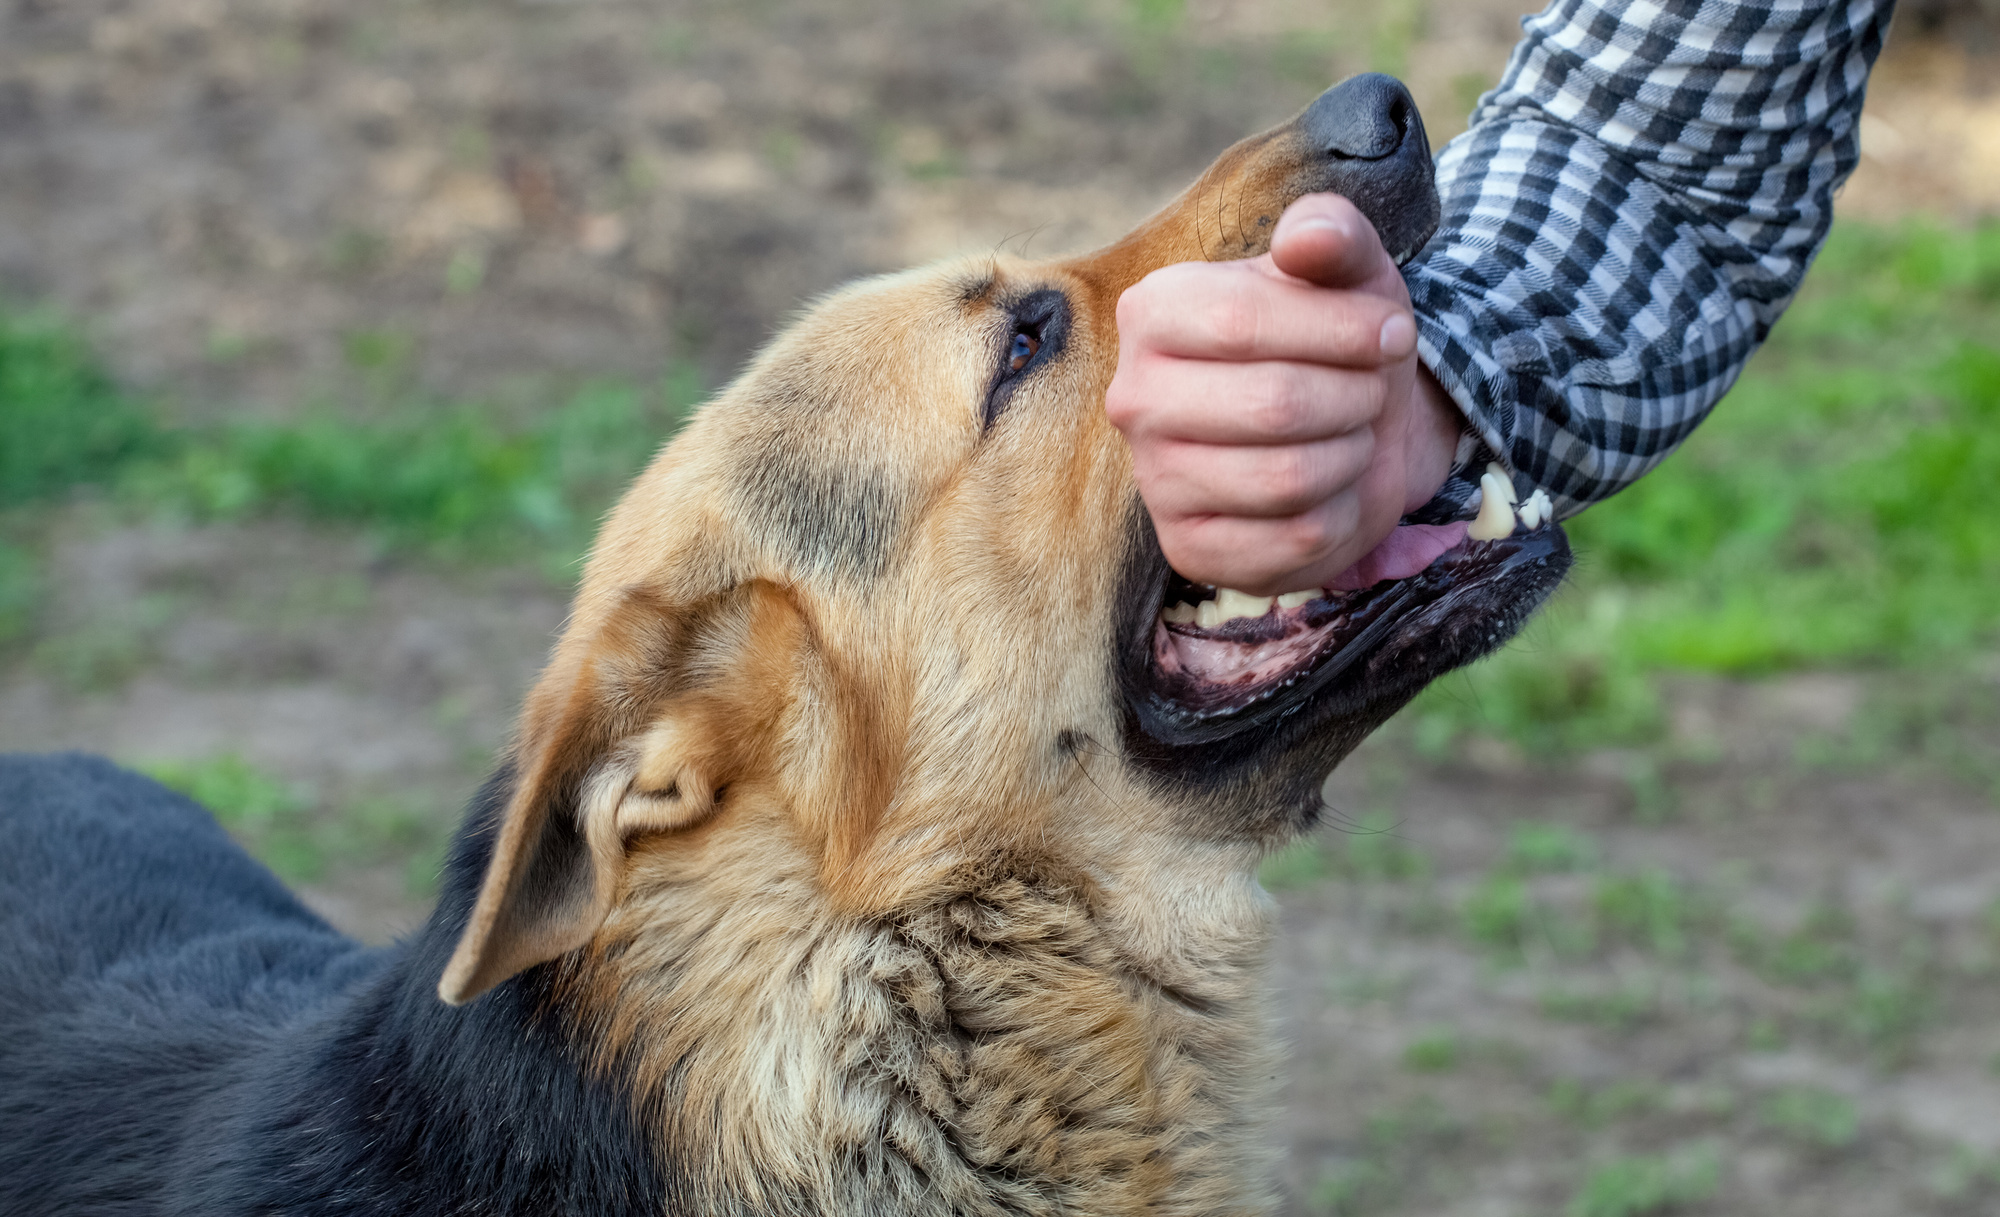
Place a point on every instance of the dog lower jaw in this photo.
(1233, 682)
(1028, 1041)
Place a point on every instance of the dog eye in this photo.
(1024, 348)
(1037, 325)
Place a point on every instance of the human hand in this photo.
(1279, 421)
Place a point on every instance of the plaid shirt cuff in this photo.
(1631, 210)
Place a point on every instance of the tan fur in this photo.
(871, 910)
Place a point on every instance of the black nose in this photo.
(1364, 118)
(1371, 140)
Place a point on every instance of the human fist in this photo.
(1279, 421)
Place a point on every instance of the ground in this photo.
(1746, 961)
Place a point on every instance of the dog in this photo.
(881, 836)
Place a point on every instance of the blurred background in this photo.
(329, 327)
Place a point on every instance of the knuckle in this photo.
(1355, 330)
(1233, 320)
(1182, 548)
(1303, 538)
(1135, 307)
(1281, 404)
(1124, 404)
(1141, 399)
(1291, 476)
(1143, 306)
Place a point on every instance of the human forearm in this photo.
(1630, 212)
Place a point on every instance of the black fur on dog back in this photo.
(179, 1035)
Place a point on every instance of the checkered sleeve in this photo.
(1632, 208)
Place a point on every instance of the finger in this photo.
(1230, 311)
(1324, 239)
(1189, 480)
(1265, 556)
(1210, 402)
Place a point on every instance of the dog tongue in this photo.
(1403, 553)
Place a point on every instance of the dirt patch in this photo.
(230, 188)
(1930, 139)
(1442, 1063)
(377, 688)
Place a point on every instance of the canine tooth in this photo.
(1292, 600)
(1207, 613)
(1539, 504)
(1496, 518)
(1232, 603)
(1178, 614)
(1506, 481)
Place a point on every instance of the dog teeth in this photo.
(1232, 603)
(1496, 516)
(1506, 481)
(1538, 510)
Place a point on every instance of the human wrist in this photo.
(1431, 439)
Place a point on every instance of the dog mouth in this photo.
(1216, 663)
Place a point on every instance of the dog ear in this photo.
(637, 729)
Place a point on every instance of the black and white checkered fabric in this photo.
(1632, 208)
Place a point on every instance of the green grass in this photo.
(1818, 1119)
(1820, 950)
(1299, 864)
(1498, 914)
(444, 475)
(1884, 1012)
(62, 421)
(1620, 1007)
(1396, 1158)
(1536, 849)
(1650, 909)
(1831, 513)
(1597, 1107)
(1370, 848)
(453, 476)
(1435, 1051)
(1375, 848)
(241, 795)
(20, 589)
(268, 815)
(284, 827)
(1646, 1185)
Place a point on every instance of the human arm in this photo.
(1631, 210)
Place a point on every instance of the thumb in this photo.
(1324, 239)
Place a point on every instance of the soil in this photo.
(237, 195)
(535, 190)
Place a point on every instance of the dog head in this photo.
(890, 604)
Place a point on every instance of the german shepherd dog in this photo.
(880, 837)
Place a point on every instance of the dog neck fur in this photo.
(1018, 1042)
